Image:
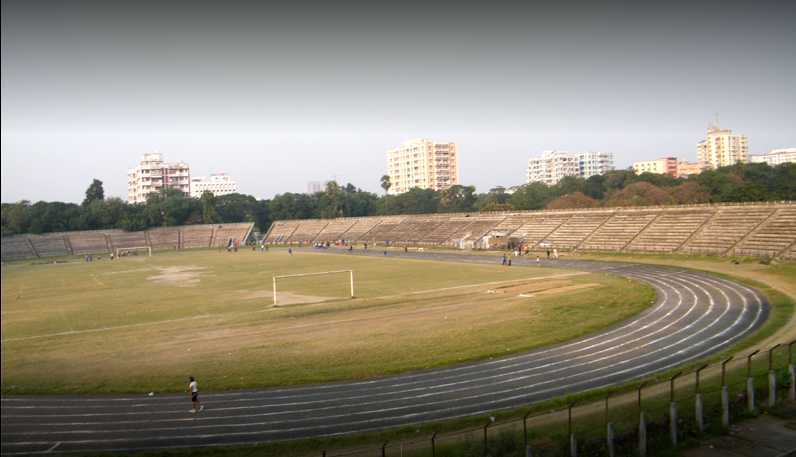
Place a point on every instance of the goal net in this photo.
(136, 250)
(313, 287)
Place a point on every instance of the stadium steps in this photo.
(89, 242)
(307, 231)
(334, 230)
(280, 231)
(478, 228)
(727, 227)
(669, 231)
(571, 234)
(164, 238)
(617, 232)
(448, 229)
(222, 233)
(537, 228)
(361, 226)
(17, 247)
(380, 232)
(771, 238)
(196, 236)
(414, 230)
(49, 245)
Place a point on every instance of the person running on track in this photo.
(194, 390)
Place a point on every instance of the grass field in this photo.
(142, 324)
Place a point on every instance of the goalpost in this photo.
(125, 251)
(319, 273)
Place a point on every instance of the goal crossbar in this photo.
(148, 249)
(318, 273)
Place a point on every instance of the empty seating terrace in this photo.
(90, 241)
(280, 231)
(727, 227)
(17, 247)
(771, 238)
(571, 234)
(224, 232)
(335, 230)
(128, 239)
(537, 227)
(669, 231)
(447, 229)
(50, 245)
(196, 236)
(360, 228)
(381, 232)
(618, 231)
(308, 230)
(164, 238)
(479, 226)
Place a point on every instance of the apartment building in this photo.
(153, 174)
(217, 184)
(722, 148)
(662, 166)
(775, 157)
(553, 165)
(422, 163)
(685, 169)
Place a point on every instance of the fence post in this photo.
(609, 430)
(642, 426)
(528, 452)
(792, 372)
(573, 443)
(750, 383)
(698, 406)
(384, 449)
(434, 444)
(725, 395)
(772, 378)
(673, 410)
(486, 427)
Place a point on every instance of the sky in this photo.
(280, 96)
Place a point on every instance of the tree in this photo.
(640, 194)
(689, 193)
(534, 195)
(457, 199)
(94, 192)
(385, 183)
(209, 213)
(573, 200)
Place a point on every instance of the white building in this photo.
(775, 157)
(722, 148)
(217, 184)
(153, 175)
(553, 165)
(422, 163)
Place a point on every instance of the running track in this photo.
(693, 316)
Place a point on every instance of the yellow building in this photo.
(685, 169)
(422, 163)
(722, 148)
(663, 166)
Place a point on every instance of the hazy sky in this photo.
(280, 97)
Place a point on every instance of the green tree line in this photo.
(737, 183)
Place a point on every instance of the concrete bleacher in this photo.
(576, 229)
(196, 236)
(381, 231)
(725, 229)
(335, 230)
(164, 238)
(479, 226)
(361, 227)
(773, 237)
(224, 232)
(17, 247)
(618, 231)
(669, 231)
(280, 231)
(90, 241)
(128, 239)
(537, 228)
(308, 230)
(443, 230)
(50, 245)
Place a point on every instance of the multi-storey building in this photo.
(217, 184)
(153, 175)
(422, 163)
(685, 169)
(551, 166)
(775, 157)
(722, 148)
(662, 166)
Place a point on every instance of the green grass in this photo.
(107, 326)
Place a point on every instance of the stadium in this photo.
(399, 330)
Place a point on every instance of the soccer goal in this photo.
(303, 282)
(121, 252)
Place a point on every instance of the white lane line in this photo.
(52, 448)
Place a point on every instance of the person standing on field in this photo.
(193, 388)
